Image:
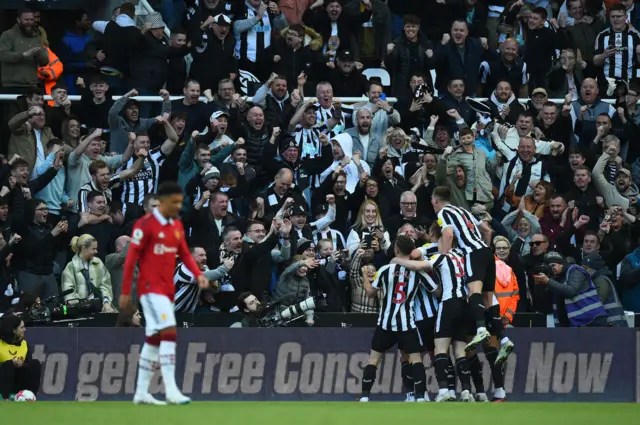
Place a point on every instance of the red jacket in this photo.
(550, 227)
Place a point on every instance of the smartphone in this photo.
(383, 97)
(368, 239)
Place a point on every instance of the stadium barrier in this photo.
(325, 364)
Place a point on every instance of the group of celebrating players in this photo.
(430, 296)
(458, 267)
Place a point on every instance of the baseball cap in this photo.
(539, 90)
(298, 209)
(221, 19)
(218, 114)
(286, 143)
(553, 257)
(624, 171)
(320, 209)
(346, 55)
(594, 261)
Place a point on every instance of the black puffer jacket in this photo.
(149, 66)
(254, 143)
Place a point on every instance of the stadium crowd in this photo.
(295, 193)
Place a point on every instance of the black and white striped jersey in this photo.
(399, 287)
(336, 237)
(465, 228)
(623, 65)
(187, 290)
(86, 188)
(450, 271)
(252, 43)
(146, 181)
(324, 115)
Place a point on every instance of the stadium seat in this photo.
(381, 73)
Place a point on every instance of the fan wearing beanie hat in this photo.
(572, 286)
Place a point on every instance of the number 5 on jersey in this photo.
(399, 295)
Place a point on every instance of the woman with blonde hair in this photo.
(86, 275)
(367, 232)
(398, 145)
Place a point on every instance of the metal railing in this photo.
(73, 98)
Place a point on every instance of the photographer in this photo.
(293, 285)
(253, 310)
(575, 298)
(18, 370)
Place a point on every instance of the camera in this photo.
(277, 316)
(53, 309)
(542, 269)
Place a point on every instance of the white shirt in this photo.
(40, 156)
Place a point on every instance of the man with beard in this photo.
(503, 103)
(345, 77)
(124, 118)
(507, 67)
(552, 222)
(455, 178)
(21, 53)
(200, 14)
(198, 113)
(214, 45)
(363, 139)
(623, 192)
(347, 160)
(187, 289)
(256, 136)
(274, 99)
(586, 110)
(384, 116)
(281, 194)
(618, 233)
(252, 308)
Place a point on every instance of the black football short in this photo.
(480, 265)
(426, 332)
(453, 320)
(407, 341)
(494, 321)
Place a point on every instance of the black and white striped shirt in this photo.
(465, 228)
(187, 290)
(336, 237)
(450, 270)
(310, 146)
(426, 304)
(146, 181)
(252, 43)
(324, 115)
(399, 288)
(623, 64)
(86, 188)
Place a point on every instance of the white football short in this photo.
(159, 313)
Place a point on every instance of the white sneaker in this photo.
(441, 397)
(178, 398)
(482, 397)
(421, 400)
(147, 398)
(452, 395)
(465, 397)
(364, 399)
(410, 397)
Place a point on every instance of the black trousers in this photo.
(14, 379)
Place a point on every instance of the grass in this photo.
(317, 413)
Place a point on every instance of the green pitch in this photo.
(317, 413)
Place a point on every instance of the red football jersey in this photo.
(155, 242)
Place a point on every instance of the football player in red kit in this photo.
(157, 238)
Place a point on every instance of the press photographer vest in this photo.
(9, 352)
(584, 307)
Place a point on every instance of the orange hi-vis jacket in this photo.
(50, 73)
(506, 290)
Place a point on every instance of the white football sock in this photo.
(168, 366)
(147, 364)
